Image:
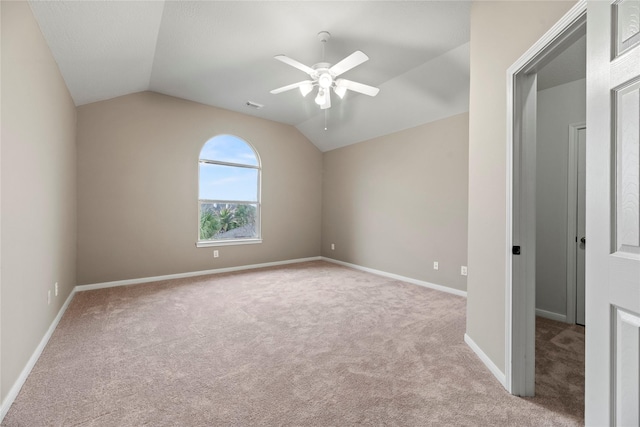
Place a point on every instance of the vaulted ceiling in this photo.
(220, 53)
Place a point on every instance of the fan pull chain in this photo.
(326, 112)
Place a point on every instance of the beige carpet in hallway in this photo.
(560, 367)
(312, 344)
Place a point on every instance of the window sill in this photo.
(209, 243)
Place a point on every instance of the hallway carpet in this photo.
(312, 344)
(560, 367)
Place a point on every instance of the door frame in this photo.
(520, 198)
(572, 220)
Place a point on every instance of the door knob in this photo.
(583, 240)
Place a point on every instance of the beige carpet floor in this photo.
(560, 367)
(311, 344)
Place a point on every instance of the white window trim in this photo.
(258, 203)
(209, 243)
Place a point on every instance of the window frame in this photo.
(258, 203)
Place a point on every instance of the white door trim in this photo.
(572, 190)
(519, 298)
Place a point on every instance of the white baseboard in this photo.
(15, 389)
(398, 277)
(551, 315)
(81, 288)
(500, 376)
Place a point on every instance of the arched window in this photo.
(228, 192)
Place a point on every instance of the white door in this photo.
(613, 214)
(581, 240)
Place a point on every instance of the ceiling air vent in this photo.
(254, 105)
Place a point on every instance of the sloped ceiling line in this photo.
(155, 50)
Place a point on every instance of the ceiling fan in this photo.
(324, 76)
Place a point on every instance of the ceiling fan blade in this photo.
(351, 61)
(300, 66)
(289, 87)
(358, 87)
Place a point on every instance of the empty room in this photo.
(321, 213)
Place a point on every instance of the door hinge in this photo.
(515, 250)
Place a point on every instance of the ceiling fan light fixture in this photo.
(320, 99)
(325, 80)
(306, 88)
(340, 91)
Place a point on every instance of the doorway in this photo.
(522, 241)
(559, 204)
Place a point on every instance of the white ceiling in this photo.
(220, 53)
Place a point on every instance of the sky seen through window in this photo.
(220, 182)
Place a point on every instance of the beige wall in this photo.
(38, 171)
(399, 202)
(138, 188)
(501, 32)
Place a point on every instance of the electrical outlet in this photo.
(333, 246)
(48, 296)
(216, 254)
(55, 287)
(463, 270)
(435, 265)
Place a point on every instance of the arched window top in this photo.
(229, 149)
